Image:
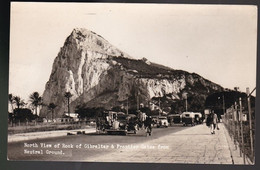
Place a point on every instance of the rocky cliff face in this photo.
(99, 75)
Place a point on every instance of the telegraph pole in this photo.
(250, 120)
(242, 132)
(238, 128)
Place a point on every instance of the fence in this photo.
(23, 127)
(241, 127)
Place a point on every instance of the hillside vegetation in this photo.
(145, 69)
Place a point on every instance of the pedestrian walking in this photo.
(142, 117)
(218, 120)
(212, 121)
(148, 125)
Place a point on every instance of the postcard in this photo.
(132, 82)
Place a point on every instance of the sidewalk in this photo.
(47, 134)
(193, 145)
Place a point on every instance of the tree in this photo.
(52, 106)
(178, 106)
(99, 111)
(185, 96)
(236, 88)
(68, 95)
(11, 100)
(118, 109)
(36, 100)
(87, 112)
(146, 110)
(23, 114)
(220, 100)
(81, 110)
(18, 101)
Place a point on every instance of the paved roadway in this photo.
(81, 147)
(194, 145)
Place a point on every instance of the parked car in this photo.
(198, 118)
(174, 118)
(188, 118)
(162, 122)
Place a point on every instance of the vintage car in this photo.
(162, 121)
(117, 123)
(188, 118)
(174, 118)
(198, 118)
(133, 124)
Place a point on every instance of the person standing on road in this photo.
(218, 121)
(214, 122)
(148, 125)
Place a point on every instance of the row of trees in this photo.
(19, 112)
(22, 113)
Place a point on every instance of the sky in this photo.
(217, 42)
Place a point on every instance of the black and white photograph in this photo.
(132, 83)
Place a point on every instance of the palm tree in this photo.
(11, 100)
(18, 101)
(36, 100)
(68, 95)
(185, 96)
(52, 106)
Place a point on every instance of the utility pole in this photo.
(250, 120)
(238, 128)
(242, 132)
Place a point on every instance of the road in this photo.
(81, 147)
